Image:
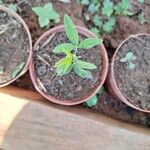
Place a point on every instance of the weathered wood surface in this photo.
(30, 125)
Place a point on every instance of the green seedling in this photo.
(17, 70)
(122, 8)
(46, 14)
(93, 100)
(72, 60)
(12, 6)
(108, 8)
(129, 58)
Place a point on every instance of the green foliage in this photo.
(93, 100)
(129, 58)
(108, 7)
(85, 2)
(141, 1)
(70, 30)
(71, 60)
(103, 14)
(45, 14)
(12, 6)
(141, 18)
(108, 27)
(122, 8)
(17, 70)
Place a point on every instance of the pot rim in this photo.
(112, 74)
(87, 33)
(20, 20)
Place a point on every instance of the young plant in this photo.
(93, 100)
(71, 60)
(12, 6)
(45, 14)
(122, 8)
(129, 58)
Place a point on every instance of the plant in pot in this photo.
(129, 76)
(15, 46)
(69, 64)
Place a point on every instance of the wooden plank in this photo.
(28, 125)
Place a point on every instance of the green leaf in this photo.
(131, 66)
(95, 30)
(85, 2)
(17, 70)
(86, 65)
(70, 30)
(81, 72)
(43, 21)
(92, 101)
(141, 1)
(107, 9)
(108, 26)
(122, 8)
(65, 46)
(90, 42)
(123, 60)
(97, 21)
(13, 7)
(45, 14)
(93, 8)
(129, 55)
(134, 58)
(64, 65)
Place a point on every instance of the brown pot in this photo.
(112, 84)
(87, 33)
(25, 68)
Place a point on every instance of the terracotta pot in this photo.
(111, 81)
(17, 17)
(87, 33)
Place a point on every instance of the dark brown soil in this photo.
(70, 86)
(14, 46)
(106, 104)
(135, 83)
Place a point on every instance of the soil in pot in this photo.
(14, 47)
(133, 75)
(70, 86)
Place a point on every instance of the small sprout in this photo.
(93, 7)
(1, 70)
(97, 21)
(108, 8)
(122, 8)
(129, 58)
(141, 18)
(17, 70)
(109, 26)
(71, 60)
(87, 17)
(95, 30)
(45, 14)
(93, 100)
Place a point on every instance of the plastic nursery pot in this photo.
(112, 84)
(104, 65)
(14, 17)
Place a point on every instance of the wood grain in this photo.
(28, 125)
